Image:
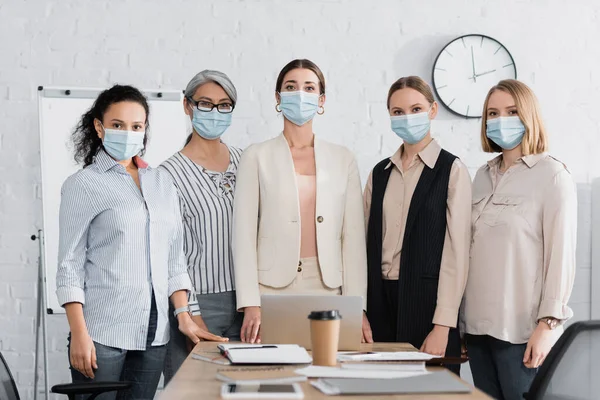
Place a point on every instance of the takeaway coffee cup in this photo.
(324, 336)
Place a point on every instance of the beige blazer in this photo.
(266, 220)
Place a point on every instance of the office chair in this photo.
(8, 388)
(571, 370)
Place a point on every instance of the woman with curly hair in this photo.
(120, 250)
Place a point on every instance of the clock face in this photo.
(466, 69)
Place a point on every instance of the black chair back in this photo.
(8, 387)
(572, 368)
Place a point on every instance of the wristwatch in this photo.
(182, 309)
(551, 322)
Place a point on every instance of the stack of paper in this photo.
(386, 356)
(335, 372)
(396, 361)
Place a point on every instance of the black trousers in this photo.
(390, 288)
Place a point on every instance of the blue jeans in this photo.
(142, 368)
(220, 315)
(497, 367)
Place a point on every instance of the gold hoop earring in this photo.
(321, 111)
(277, 108)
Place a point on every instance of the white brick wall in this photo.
(362, 46)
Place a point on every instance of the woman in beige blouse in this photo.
(298, 217)
(523, 250)
(418, 204)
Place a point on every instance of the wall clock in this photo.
(466, 69)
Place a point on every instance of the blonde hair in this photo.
(535, 139)
(413, 82)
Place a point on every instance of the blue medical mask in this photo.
(210, 125)
(506, 132)
(299, 107)
(122, 145)
(411, 128)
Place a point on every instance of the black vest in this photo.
(422, 248)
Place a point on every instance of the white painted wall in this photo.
(362, 47)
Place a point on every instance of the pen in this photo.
(252, 347)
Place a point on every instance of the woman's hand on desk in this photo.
(83, 354)
(251, 325)
(200, 322)
(436, 342)
(367, 334)
(195, 333)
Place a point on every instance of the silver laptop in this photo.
(284, 318)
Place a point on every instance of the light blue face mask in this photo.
(210, 125)
(122, 145)
(299, 107)
(411, 128)
(506, 132)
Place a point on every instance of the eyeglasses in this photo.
(207, 106)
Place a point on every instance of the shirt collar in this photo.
(104, 162)
(530, 160)
(428, 155)
(533, 159)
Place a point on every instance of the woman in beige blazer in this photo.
(298, 218)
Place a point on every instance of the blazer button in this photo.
(300, 263)
(299, 269)
(319, 219)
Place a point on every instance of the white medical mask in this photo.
(506, 132)
(411, 128)
(299, 107)
(210, 125)
(122, 145)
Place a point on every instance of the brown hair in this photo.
(535, 139)
(302, 64)
(413, 82)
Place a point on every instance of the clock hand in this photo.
(485, 73)
(473, 64)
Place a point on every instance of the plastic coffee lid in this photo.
(325, 315)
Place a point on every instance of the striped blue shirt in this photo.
(116, 245)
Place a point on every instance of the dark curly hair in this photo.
(85, 138)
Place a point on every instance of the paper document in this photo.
(387, 356)
(415, 366)
(335, 372)
(210, 355)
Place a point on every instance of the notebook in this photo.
(265, 354)
(270, 375)
(434, 383)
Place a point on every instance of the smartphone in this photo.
(262, 391)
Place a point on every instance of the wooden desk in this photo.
(196, 380)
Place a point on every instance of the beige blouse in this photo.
(396, 203)
(307, 196)
(523, 248)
